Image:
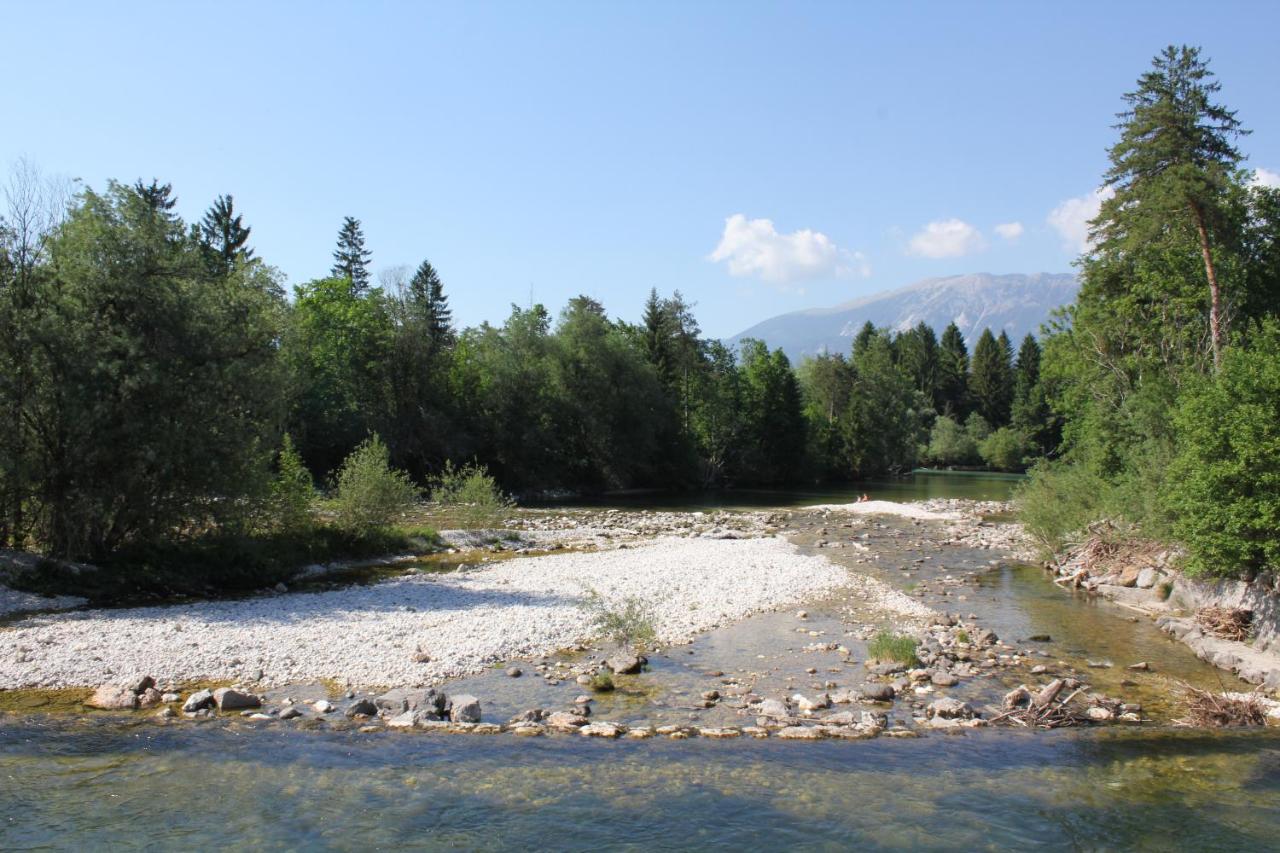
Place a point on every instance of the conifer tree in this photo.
(427, 292)
(991, 379)
(1173, 166)
(351, 258)
(953, 373)
(223, 232)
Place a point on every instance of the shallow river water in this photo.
(219, 788)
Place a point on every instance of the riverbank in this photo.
(1231, 624)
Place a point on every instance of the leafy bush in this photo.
(1006, 449)
(1224, 483)
(887, 646)
(369, 493)
(977, 427)
(949, 444)
(473, 492)
(630, 623)
(1059, 500)
(291, 492)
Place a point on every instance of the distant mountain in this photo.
(1015, 303)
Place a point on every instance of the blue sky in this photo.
(758, 157)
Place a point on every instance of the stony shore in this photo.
(419, 629)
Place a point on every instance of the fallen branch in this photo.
(1206, 709)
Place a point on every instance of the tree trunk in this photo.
(1215, 293)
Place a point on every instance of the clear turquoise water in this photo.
(218, 788)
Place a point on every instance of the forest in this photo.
(158, 376)
(154, 369)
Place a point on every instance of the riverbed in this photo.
(90, 779)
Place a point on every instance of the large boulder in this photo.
(949, 708)
(230, 699)
(774, 708)
(465, 709)
(362, 707)
(625, 663)
(113, 697)
(565, 721)
(401, 699)
(198, 701)
(876, 692)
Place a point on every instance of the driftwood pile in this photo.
(1206, 709)
(1229, 623)
(1045, 709)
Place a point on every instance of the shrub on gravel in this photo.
(292, 492)
(472, 493)
(368, 493)
(629, 622)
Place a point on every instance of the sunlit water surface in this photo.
(215, 787)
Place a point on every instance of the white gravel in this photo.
(368, 635)
(906, 510)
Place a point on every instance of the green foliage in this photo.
(149, 384)
(1224, 483)
(472, 493)
(601, 682)
(337, 349)
(1006, 449)
(292, 492)
(630, 622)
(950, 444)
(773, 427)
(882, 429)
(368, 493)
(888, 646)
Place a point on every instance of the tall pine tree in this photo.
(351, 258)
(223, 233)
(991, 379)
(1173, 166)
(953, 373)
(426, 291)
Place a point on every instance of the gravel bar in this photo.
(464, 622)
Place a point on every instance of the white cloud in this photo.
(754, 248)
(1010, 230)
(1265, 178)
(1071, 218)
(947, 238)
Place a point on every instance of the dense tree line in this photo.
(1163, 370)
(153, 371)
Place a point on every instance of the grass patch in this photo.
(888, 646)
(602, 682)
(963, 637)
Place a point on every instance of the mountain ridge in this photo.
(1016, 303)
